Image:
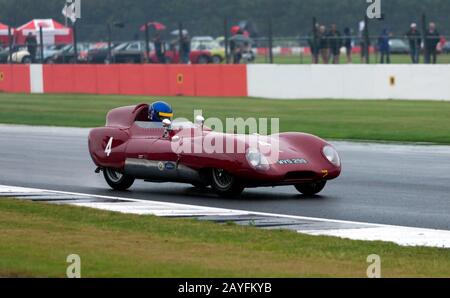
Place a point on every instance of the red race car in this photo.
(131, 147)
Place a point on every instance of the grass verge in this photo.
(36, 238)
(402, 121)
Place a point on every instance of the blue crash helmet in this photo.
(160, 110)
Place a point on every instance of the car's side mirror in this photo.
(167, 125)
(200, 120)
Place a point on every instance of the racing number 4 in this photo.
(108, 148)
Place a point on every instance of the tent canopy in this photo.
(52, 31)
(4, 34)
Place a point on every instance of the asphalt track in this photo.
(406, 185)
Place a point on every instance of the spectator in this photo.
(348, 44)
(324, 46)
(384, 47)
(233, 50)
(415, 41)
(432, 39)
(314, 44)
(31, 43)
(186, 49)
(364, 41)
(159, 49)
(335, 43)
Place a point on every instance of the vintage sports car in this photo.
(131, 147)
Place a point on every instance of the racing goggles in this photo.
(165, 115)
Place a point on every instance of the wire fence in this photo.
(118, 42)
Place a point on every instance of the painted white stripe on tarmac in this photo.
(404, 236)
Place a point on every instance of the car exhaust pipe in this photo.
(164, 171)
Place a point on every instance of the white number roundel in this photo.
(108, 148)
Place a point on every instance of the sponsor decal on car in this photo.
(293, 161)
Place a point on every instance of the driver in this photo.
(160, 110)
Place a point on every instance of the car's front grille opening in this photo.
(304, 175)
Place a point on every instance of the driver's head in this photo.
(160, 110)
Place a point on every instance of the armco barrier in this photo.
(155, 80)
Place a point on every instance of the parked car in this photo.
(67, 54)
(209, 44)
(49, 52)
(4, 55)
(446, 48)
(398, 46)
(130, 52)
(98, 53)
(19, 54)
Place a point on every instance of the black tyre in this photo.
(203, 60)
(311, 188)
(216, 59)
(27, 60)
(225, 184)
(117, 180)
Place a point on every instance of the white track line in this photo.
(405, 236)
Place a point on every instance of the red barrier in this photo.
(85, 79)
(221, 80)
(59, 79)
(21, 79)
(234, 79)
(153, 80)
(107, 79)
(15, 78)
(209, 80)
(131, 79)
(6, 80)
(181, 80)
(156, 78)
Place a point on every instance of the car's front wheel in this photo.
(311, 188)
(117, 180)
(225, 184)
(216, 59)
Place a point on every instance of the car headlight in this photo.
(331, 155)
(257, 160)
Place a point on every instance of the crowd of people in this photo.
(160, 48)
(326, 44)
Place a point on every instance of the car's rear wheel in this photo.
(311, 188)
(225, 184)
(27, 60)
(117, 180)
(203, 60)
